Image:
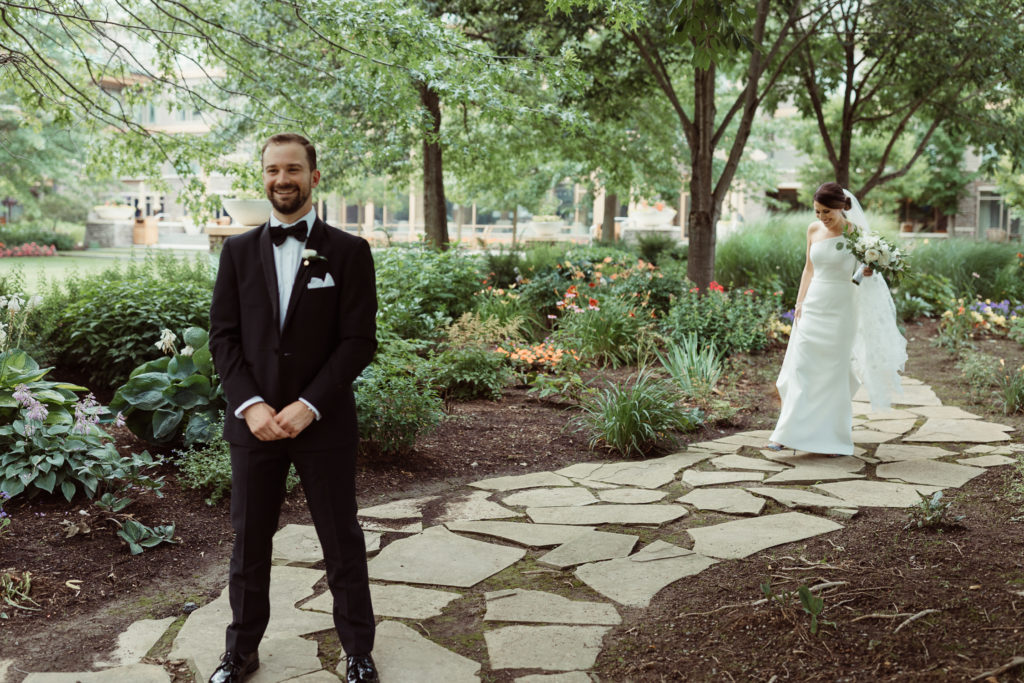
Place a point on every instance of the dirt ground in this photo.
(708, 627)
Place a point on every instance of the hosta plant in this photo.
(174, 398)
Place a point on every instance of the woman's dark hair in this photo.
(832, 196)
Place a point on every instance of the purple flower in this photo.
(789, 315)
(22, 395)
(36, 411)
(5, 495)
(119, 419)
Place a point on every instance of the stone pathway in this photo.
(546, 523)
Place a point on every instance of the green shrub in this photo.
(736, 322)
(612, 332)
(1010, 383)
(935, 290)
(208, 466)
(910, 307)
(975, 269)
(16, 234)
(765, 255)
(657, 248)
(468, 373)
(694, 366)
(502, 268)
(981, 372)
(631, 417)
(394, 407)
(421, 290)
(112, 328)
(176, 397)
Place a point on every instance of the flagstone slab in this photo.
(744, 537)
(811, 475)
(580, 470)
(877, 493)
(944, 412)
(394, 600)
(405, 508)
(298, 544)
(718, 446)
(388, 526)
(551, 648)
(321, 676)
(523, 533)
(646, 474)
(981, 449)
(288, 586)
(697, 478)
(472, 507)
(894, 452)
(597, 485)
(960, 431)
(871, 436)
(402, 654)
(864, 410)
(523, 481)
(987, 461)
(818, 461)
(913, 395)
(5, 665)
(930, 472)
(526, 606)
(439, 557)
(891, 426)
(654, 513)
(631, 496)
(732, 501)
(800, 498)
(568, 677)
(740, 462)
(281, 658)
(745, 440)
(635, 580)
(553, 497)
(592, 546)
(133, 673)
(134, 643)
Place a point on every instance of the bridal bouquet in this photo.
(876, 253)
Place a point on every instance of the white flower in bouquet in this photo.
(872, 255)
(884, 259)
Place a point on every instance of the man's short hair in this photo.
(287, 138)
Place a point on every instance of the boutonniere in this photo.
(311, 255)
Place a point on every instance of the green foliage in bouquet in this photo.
(174, 398)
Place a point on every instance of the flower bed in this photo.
(28, 249)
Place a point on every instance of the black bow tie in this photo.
(279, 233)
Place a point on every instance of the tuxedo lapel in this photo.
(315, 241)
(270, 272)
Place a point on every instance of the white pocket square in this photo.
(317, 283)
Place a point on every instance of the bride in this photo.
(843, 335)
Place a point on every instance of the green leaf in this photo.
(165, 421)
(196, 337)
(68, 489)
(181, 367)
(203, 360)
(47, 481)
(145, 391)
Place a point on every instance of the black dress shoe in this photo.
(235, 668)
(361, 669)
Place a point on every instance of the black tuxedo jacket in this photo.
(329, 333)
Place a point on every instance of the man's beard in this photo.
(291, 205)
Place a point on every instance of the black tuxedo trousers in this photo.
(328, 336)
(257, 490)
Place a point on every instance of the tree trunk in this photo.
(700, 263)
(611, 206)
(435, 220)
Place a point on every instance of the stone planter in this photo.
(114, 212)
(248, 211)
(545, 230)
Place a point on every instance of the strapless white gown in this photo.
(817, 381)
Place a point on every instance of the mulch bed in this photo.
(968, 572)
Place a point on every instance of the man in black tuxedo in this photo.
(291, 326)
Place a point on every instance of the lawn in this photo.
(37, 269)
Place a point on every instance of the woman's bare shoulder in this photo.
(814, 227)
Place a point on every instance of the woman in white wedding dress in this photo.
(820, 374)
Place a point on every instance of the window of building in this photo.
(993, 214)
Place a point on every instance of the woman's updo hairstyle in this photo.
(832, 196)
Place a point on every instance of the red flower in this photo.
(592, 285)
(593, 301)
(749, 291)
(694, 290)
(715, 287)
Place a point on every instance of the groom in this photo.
(291, 326)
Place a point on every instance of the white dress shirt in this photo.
(287, 257)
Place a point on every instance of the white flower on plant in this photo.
(14, 303)
(34, 301)
(187, 351)
(166, 343)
